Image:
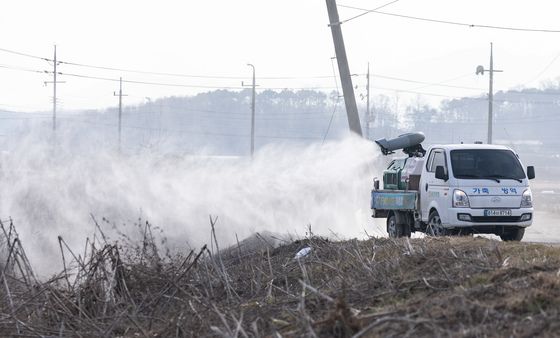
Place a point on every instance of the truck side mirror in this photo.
(440, 173)
(530, 172)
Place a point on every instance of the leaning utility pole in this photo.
(120, 95)
(481, 70)
(344, 70)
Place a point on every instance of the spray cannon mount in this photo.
(410, 143)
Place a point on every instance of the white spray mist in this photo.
(282, 189)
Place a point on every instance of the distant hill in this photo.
(219, 122)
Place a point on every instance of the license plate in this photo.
(500, 212)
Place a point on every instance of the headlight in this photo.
(527, 199)
(460, 199)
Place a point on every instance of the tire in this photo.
(515, 234)
(434, 227)
(393, 229)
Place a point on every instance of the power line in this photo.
(77, 64)
(441, 84)
(189, 75)
(264, 88)
(544, 69)
(209, 76)
(186, 85)
(335, 104)
(145, 82)
(445, 81)
(368, 11)
(269, 88)
(418, 92)
(539, 30)
(24, 54)
(24, 69)
(156, 83)
(224, 87)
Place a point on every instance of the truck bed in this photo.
(384, 200)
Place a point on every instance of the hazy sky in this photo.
(288, 38)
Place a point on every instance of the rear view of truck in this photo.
(398, 199)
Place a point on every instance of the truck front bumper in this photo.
(467, 217)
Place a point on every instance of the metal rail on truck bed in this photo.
(384, 200)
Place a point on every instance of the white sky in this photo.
(281, 38)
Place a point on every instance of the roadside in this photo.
(446, 286)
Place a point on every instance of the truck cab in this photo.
(475, 188)
(454, 189)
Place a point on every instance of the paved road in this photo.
(545, 228)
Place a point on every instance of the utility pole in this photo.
(343, 68)
(368, 117)
(54, 92)
(120, 95)
(252, 111)
(480, 70)
(253, 114)
(54, 82)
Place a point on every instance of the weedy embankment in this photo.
(461, 286)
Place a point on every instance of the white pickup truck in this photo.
(456, 189)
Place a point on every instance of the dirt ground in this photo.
(462, 286)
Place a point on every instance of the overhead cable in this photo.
(522, 29)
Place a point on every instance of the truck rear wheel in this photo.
(434, 227)
(515, 234)
(393, 229)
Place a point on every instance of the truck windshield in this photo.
(486, 163)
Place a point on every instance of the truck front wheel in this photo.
(434, 227)
(515, 234)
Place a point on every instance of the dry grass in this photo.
(470, 287)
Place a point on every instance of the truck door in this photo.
(434, 192)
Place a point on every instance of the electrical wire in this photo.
(416, 92)
(439, 84)
(158, 73)
(367, 12)
(544, 69)
(188, 75)
(263, 88)
(184, 85)
(539, 30)
(144, 82)
(24, 69)
(24, 54)
(209, 77)
(444, 82)
(335, 103)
